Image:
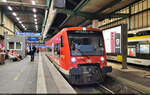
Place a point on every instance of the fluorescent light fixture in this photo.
(17, 18)
(35, 22)
(34, 15)
(10, 8)
(22, 25)
(35, 19)
(14, 14)
(34, 10)
(20, 22)
(4, 0)
(33, 2)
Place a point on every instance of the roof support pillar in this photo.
(2, 17)
(14, 28)
(130, 17)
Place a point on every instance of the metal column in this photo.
(124, 45)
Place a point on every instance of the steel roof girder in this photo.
(76, 9)
(92, 15)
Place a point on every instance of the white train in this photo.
(138, 50)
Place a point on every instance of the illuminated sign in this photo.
(28, 34)
(80, 31)
(33, 38)
(112, 38)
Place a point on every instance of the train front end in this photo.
(87, 57)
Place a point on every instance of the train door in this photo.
(62, 53)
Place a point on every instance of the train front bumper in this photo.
(106, 69)
(88, 74)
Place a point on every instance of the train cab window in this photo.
(86, 43)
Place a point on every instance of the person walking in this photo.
(32, 52)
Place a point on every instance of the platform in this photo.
(132, 77)
(39, 76)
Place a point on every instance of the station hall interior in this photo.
(75, 46)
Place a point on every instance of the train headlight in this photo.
(73, 60)
(102, 59)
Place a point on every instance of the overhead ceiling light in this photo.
(35, 19)
(33, 2)
(10, 8)
(22, 25)
(4, 0)
(35, 22)
(34, 10)
(20, 22)
(17, 18)
(14, 14)
(34, 15)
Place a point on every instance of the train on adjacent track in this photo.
(138, 49)
(79, 53)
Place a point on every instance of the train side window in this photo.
(62, 44)
(57, 49)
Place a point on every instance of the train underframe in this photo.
(88, 74)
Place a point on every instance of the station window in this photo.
(18, 45)
(14, 46)
(11, 45)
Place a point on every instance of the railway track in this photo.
(115, 87)
(106, 89)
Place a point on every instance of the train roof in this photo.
(81, 28)
(139, 38)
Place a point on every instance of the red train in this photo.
(79, 53)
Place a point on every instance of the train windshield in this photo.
(86, 43)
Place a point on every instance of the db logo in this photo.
(88, 61)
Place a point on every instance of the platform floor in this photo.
(132, 77)
(41, 76)
(31, 77)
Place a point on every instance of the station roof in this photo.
(26, 14)
(76, 13)
(84, 11)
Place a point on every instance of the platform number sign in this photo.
(117, 43)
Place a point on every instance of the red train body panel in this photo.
(83, 57)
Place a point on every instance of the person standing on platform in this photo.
(32, 52)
